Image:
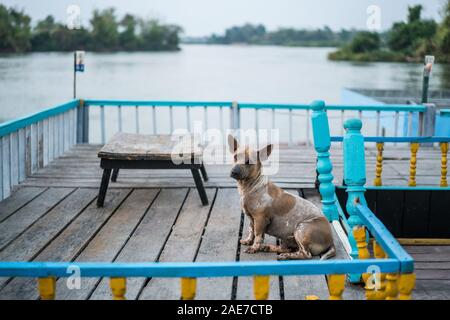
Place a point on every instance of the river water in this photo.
(34, 81)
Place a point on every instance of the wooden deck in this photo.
(157, 216)
(79, 167)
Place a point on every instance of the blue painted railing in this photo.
(397, 262)
(234, 114)
(355, 178)
(29, 143)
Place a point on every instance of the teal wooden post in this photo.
(322, 143)
(355, 179)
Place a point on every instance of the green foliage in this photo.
(365, 42)
(104, 30)
(257, 34)
(15, 31)
(405, 41)
(408, 37)
(443, 38)
(106, 33)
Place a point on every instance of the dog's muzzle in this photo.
(235, 172)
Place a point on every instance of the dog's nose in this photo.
(235, 172)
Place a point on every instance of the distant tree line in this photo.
(257, 34)
(405, 41)
(105, 33)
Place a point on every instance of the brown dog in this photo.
(302, 228)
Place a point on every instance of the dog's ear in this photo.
(264, 153)
(232, 143)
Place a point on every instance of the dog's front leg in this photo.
(259, 228)
(251, 234)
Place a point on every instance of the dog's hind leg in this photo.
(330, 253)
(303, 253)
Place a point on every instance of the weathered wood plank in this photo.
(34, 239)
(220, 243)
(45, 142)
(28, 149)
(109, 240)
(432, 290)
(17, 200)
(431, 257)
(442, 265)
(181, 246)
(40, 128)
(34, 148)
(14, 147)
(6, 166)
(1, 171)
(51, 139)
(427, 249)
(130, 146)
(298, 287)
(156, 224)
(22, 152)
(66, 131)
(14, 225)
(68, 244)
(432, 274)
(244, 290)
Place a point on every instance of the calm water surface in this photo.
(229, 73)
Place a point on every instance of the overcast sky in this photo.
(203, 17)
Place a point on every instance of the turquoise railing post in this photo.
(355, 179)
(322, 143)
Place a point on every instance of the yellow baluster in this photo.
(406, 285)
(379, 165)
(47, 288)
(413, 164)
(261, 287)
(188, 288)
(359, 233)
(118, 288)
(336, 285)
(312, 297)
(380, 287)
(444, 150)
(391, 286)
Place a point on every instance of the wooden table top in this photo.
(132, 146)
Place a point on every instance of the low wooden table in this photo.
(141, 151)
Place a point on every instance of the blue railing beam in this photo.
(385, 238)
(14, 125)
(398, 139)
(149, 103)
(194, 269)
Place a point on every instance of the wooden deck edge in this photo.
(342, 236)
(423, 242)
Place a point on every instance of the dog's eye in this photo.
(235, 158)
(247, 161)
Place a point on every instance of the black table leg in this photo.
(115, 173)
(204, 174)
(199, 185)
(103, 187)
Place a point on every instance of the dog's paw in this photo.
(246, 242)
(252, 250)
(283, 256)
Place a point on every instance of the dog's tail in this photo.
(330, 253)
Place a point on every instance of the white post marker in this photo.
(78, 66)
